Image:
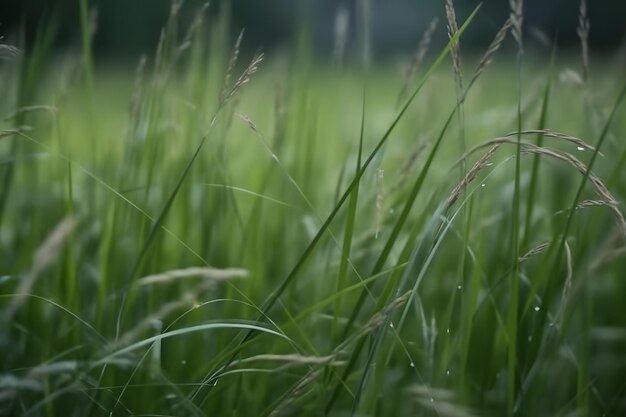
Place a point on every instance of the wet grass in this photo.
(221, 233)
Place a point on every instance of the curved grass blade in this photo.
(178, 332)
(348, 232)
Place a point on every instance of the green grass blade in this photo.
(534, 173)
(348, 232)
(417, 186)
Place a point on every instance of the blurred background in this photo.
(129, 28)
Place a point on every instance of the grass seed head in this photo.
(517, 19)
(471, 175)
(8, 52)
(418, 58)
(583, 34)
(234, 56)
(491, 51)
(453, 28)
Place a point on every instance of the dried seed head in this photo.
(8, 52)
(249, 121)
(599, 187)
(583, 34)
(418, 58)
(45, 256)
(517, 17)
(136, 97)
(471, 175)
(31, 109)
(379, 318)
(7, 133)
(534, 251)
(571, 77)
(204, 273)
(453, 28)
(244, 78)
(231, 66)
(192, 30)
(491, 51)
(508, 138)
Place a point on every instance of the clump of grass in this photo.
(122, 289)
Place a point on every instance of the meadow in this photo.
(216, 232)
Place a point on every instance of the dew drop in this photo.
(183, 362)
(391, 211)
(448, 372)
(432, 400)
(580, 148)
(482, 185)
(448, 330)
(391, 325)
(459, 287)
(530, 338)
(537, 308)
(412, 365)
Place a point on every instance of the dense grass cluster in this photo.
(240, 235)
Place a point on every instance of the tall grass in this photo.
(208, 234)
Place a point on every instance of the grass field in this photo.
(216, 234)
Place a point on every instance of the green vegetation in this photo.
(240, 235)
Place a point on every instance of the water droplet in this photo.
(537, 308)
(530, 338)
(482, 185)
(448, 372)
(391, 325)
(183, 362)
(391, 211)
(448, 330)
(459, 287)
(412, 365)
(432, 400)
(580, 148)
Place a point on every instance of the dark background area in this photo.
(130, 27)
